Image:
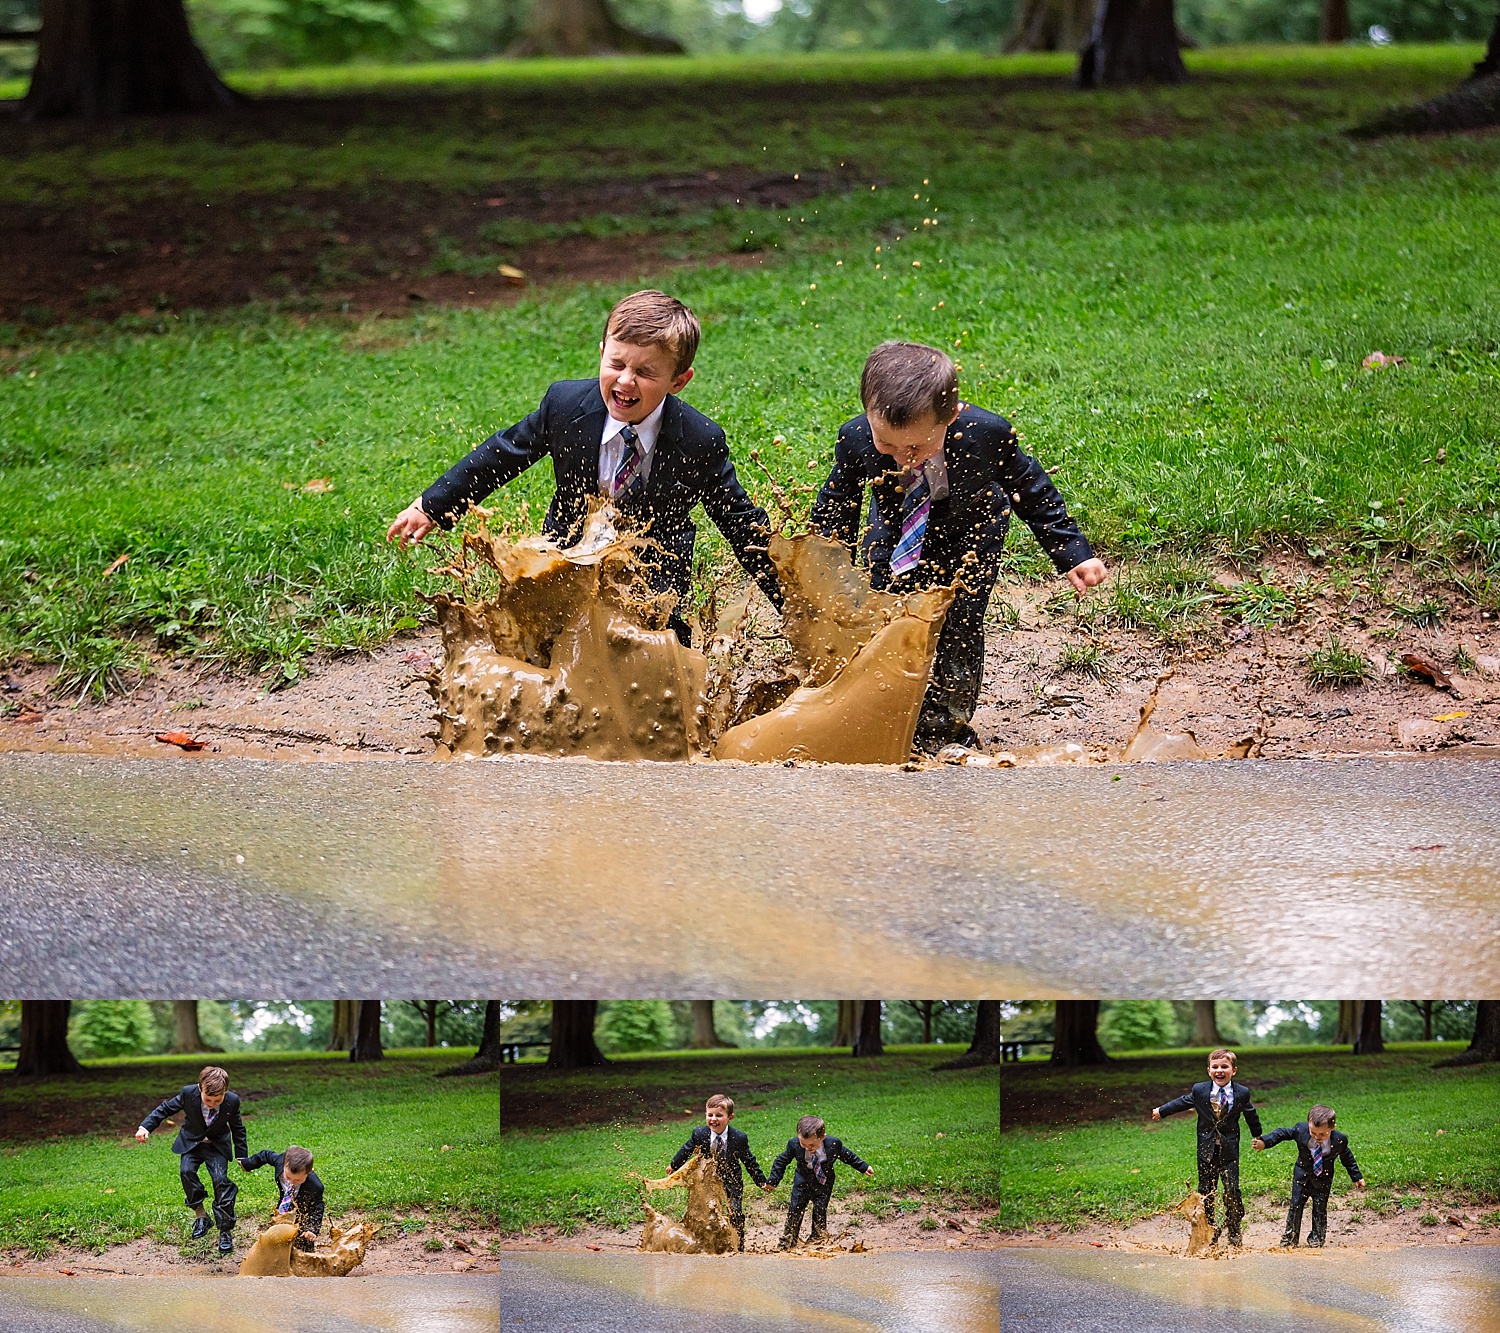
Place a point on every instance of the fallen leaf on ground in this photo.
(595, 1248)
(1450, 717)
(181, 739)
(954, 1224)
(116, 563)
(464, 1246)
(1379, 361)
(514, 276)
(318, 485)
(1422, 665)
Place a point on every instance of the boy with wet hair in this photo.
(211, 1133)
(1319, 1146)
(301, 1192)
(944, 477)
(814, 1154)
(625, 436)
(729, 1148)
(1220, 1103)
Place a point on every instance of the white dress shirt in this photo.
(1227, 1094)
(612, 447)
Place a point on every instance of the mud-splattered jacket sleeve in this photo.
(686, 1151)
(506, 454)
(1276, 1136)
(310, 1204)
(751, 1165)
(1039, 504)
(1252, 1116)
(846, 1154)
(1178, 1105)
(784, 1159)
(1346, 1156)
(236, 1125)
(835, 512)
(743, 522)
(172, 1106)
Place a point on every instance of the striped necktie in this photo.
(1317, 1155)
(630, 463)
(288, 1194)
(914, 512)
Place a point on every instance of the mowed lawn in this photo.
(1170, 290)
(1079, 1146)
(387, 1138)
(575, 1145)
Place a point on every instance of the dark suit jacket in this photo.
(309, 1199)
(1209, 1127)
(227, 1127)
(834, 1150)
(1338, 1150)
(689, 465)
(988, 477)
(729, 1164)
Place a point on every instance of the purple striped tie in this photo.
(914, 512)
(1317, 1156)
(630, 462)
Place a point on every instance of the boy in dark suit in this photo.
(1319, 1146)
(1220, 1102)
(212, 1132)
(625, 436)
(729, 1147)
(300, 1189)
(814, 1154)
(944, 478)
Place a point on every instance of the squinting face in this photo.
(1320, 1133)
(1221, 1070)
(716, 1117)
(634, 380)
(211, 1103)
(910, 445)
(810, 1142)
(295, 1177)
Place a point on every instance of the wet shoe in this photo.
(783, 1245)
(1289, 1242)
(226, 1243)
(1236, 1240)
(1315, 1242)
(201, 1228)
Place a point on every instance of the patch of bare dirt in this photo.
(528, 1102)
(85, 1112)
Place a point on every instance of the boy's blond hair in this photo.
(810, 1127)
(904, 382)
(1224, 1051)
(654, 319)
(719, 1099)
(213, 1081)
(1320, 1115)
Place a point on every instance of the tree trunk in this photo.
(188, 1039)
(1370, 1041)
(367, 1033)
(1132, 41)
(585, 28)
(1473, 105)
(573, 1045)
(487, 1057)
(1484, 1046)
(1347, 1031)
(1425, 1008)
(1333, 21)
(867, 1039)
(1050, 25)
(985, 1048)
(705, 1035)
(1491, 62)
(927, 1008)
(44, 1038)
(1206, 1024)
(120, 57)
(846, 1029)
(345, 1021)
(1075, 1034)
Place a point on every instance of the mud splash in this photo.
(272, 1254)
(1201, 1236)
(705, 1227)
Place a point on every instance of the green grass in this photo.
(1117, 1170)
(1170, 290)
(1336, 666)
(378, 1132)
(889, 1110)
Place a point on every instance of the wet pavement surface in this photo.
(250, 1305)
(1371, 1291)
(573, 878)
(750, 1293)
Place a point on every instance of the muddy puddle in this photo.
(272, 1255)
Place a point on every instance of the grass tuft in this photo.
(1335, 666)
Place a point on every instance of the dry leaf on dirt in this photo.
(181, 739)
(514, 276)
(1450, 717)
(1422, 665)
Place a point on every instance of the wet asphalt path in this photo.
(140, 877)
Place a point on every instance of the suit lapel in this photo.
(579, 448)
(666, 457)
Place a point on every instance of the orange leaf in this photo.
(318, 485)
(116, 563)
(180, 739)
(1449, 717)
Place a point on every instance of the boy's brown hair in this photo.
(1224, 1050)
(213, 1081)
(1320, 1115)
(810, 1127)
(904, 382)
(297, 1159)
(719, 1099)
(654, 319)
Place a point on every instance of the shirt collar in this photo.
(647, 430)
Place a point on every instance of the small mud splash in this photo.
(1201, 1237)
(272, 1254)
(1149, 744)
(705, 1227)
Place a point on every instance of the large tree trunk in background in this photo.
(187, 1039)
(1347, 1031)
(345, 1021)
(1473, 105)
(846, 1029)
(1075, 1034)
(1484, 1046)
(1370, 1040)
(367, 1033)
(1333, 21)
(585, 28)
(985, 1048)
(1132, 41)
(487, 1057)
(1050, 25)
(1206, 1024)
(120, 57)
(705, 1035)
(867, 1038)
(1491, 62)
(573, 1045)
(44, 1038)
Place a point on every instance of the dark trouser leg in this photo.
(958, 671)
(681, 629)
(192, 1187)
(1293, 1233)
(225, 1191)
(794, 1210)
(1234, 1205)
(820, 1211)
(1319, 1231)
(737, 1221)
(1208, 1185)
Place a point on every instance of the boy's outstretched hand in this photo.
(869, 1170)
(412, 524)
(1360, 1183)
(1086, 574)
(141, 1135)
(1258, 1144)
(1156, 1113)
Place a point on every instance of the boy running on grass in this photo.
(814, 1154)
(944, 477)
(625, 436)
(1319, 1146)
(1220, 1102)
(729, 1147)
(300, 1189)
(212, 1132)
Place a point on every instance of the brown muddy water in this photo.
(586, 879)
(704, 1227)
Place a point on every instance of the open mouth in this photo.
(623, 401)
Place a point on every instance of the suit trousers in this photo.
(958, 670)
(803, 1195)
(225, 1190)
(1303, 1189)
(1222, 1165)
